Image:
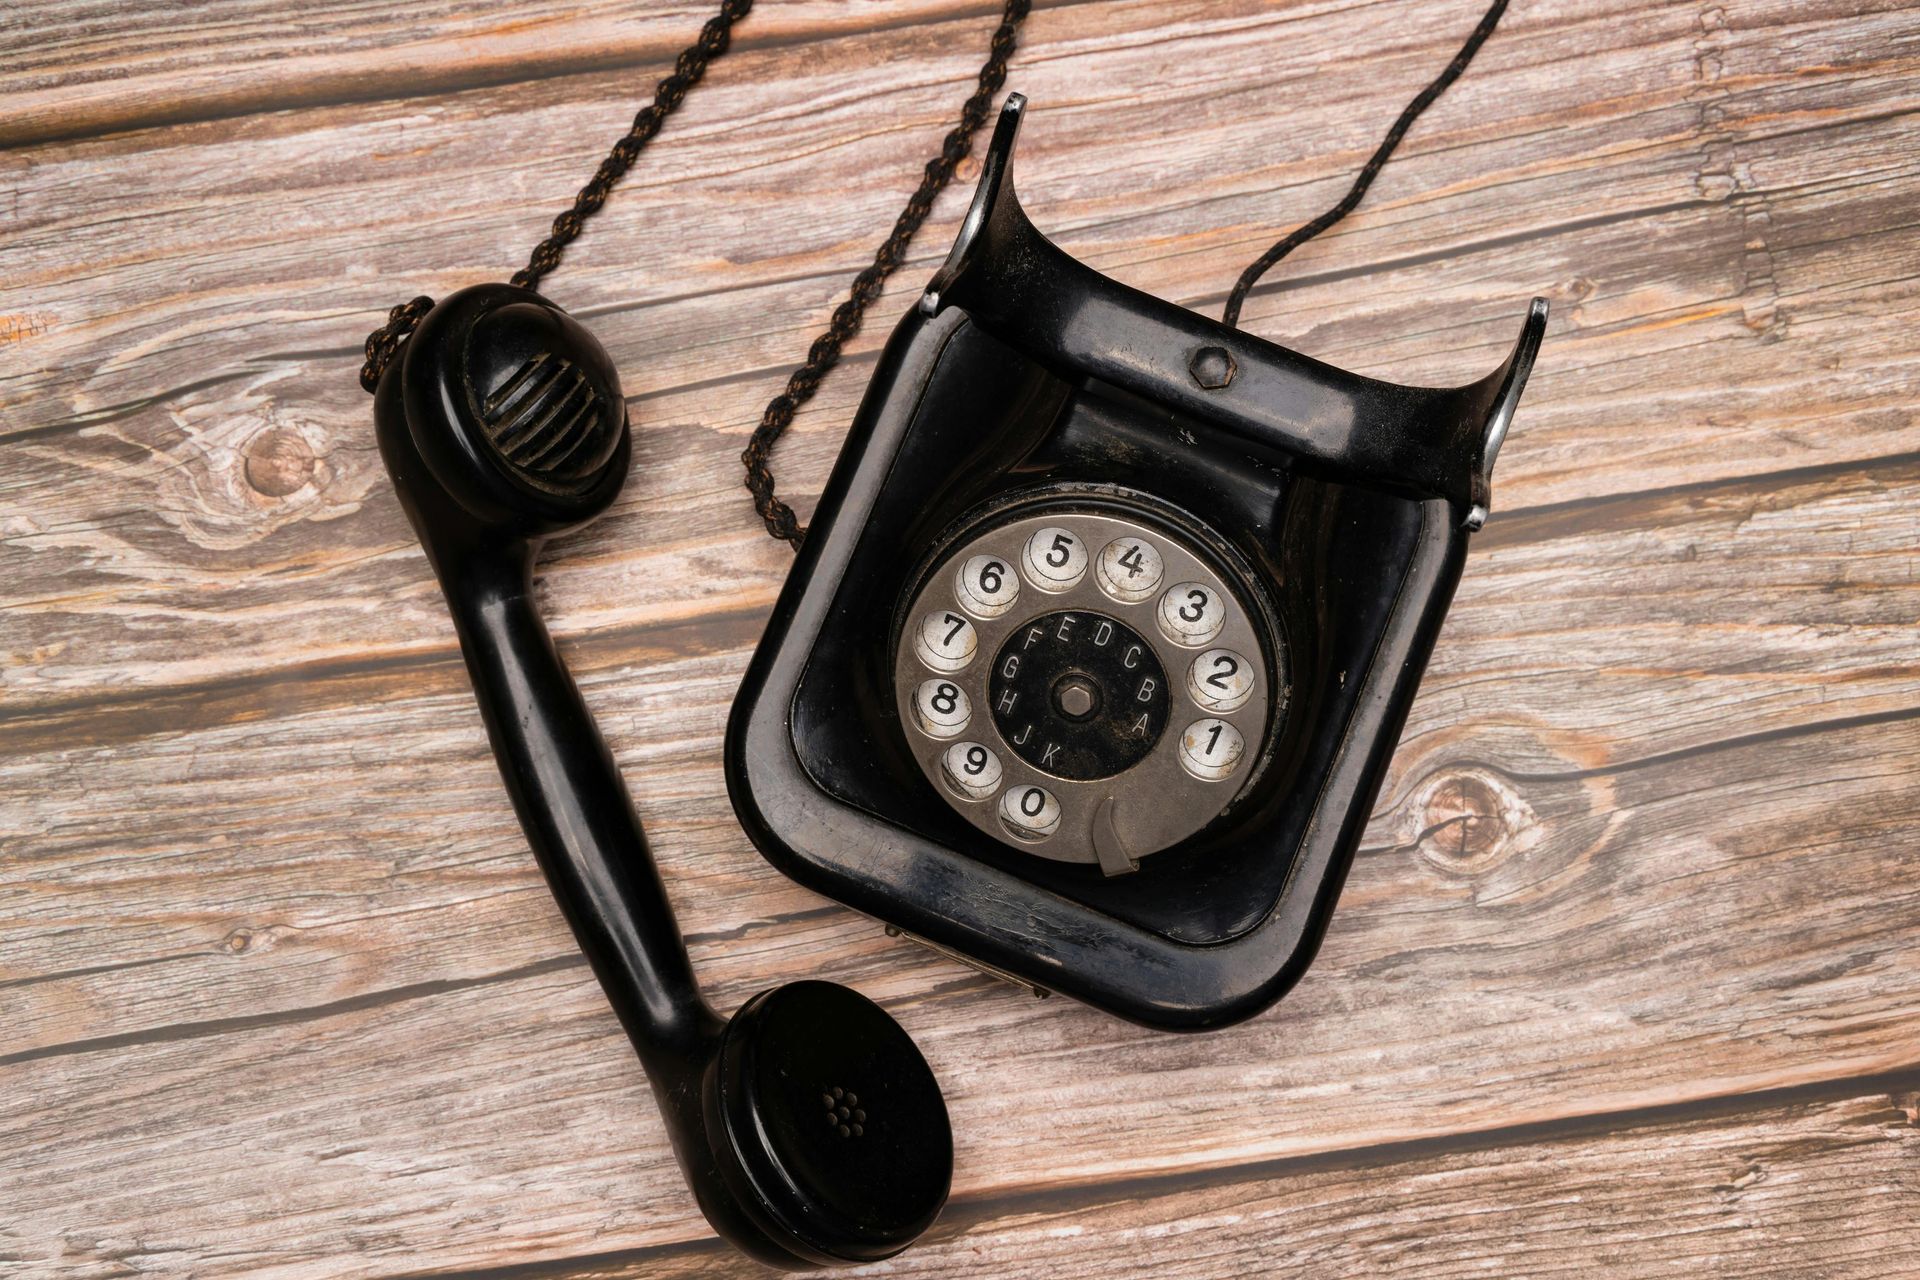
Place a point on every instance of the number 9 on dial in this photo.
(972, 769)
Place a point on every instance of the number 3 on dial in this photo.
(1192, 614)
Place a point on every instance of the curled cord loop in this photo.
(384, 343)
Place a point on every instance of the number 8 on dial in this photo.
(942, 707)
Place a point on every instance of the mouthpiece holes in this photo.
(844, 1113)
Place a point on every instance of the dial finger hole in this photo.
(986, 586)
(1030, 812)
(1210, 749)
(1055, 559)
(971, 769)
(946, 642)
(1220, 680)
(1129, 569)
(942, 708)
(1192, 614)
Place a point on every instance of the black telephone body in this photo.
(1105, 629)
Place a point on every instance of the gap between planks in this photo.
(36, 726)
(966, 1213)
(350, 86)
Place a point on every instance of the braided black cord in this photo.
(383, 343)
(824, 354)
(687, 70)
(1230, 315)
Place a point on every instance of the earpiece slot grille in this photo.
(546, 420)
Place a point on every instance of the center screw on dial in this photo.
(1075, 696)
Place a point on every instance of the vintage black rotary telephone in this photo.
(1105, 629)
(1089, 670)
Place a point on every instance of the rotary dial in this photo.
(1085, 687)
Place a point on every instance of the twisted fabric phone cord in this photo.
(1230, 315)
(777, 515)
(384, 343)
(824, 354)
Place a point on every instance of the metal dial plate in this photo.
(1085, 687)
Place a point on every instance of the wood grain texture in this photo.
(1717, 1195)
(1625, 979)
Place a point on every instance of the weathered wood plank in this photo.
(1809, 1189)
(283, 992)
(1431, 1013)
(331, 907)
(76, 68)
(1779, 602)
(253, 510)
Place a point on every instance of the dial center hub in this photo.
(1078, 694)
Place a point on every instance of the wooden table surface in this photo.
(1626, 978)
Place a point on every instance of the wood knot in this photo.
(1468, 822)
(247, 940)
(279, 462)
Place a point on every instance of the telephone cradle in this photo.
(1105, 629)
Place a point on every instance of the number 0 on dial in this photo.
(1031, 811)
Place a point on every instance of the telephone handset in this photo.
(1105, 628)
(808, 1125)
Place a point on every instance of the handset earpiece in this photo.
(809, 1127)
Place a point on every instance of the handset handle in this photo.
(573, 805)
